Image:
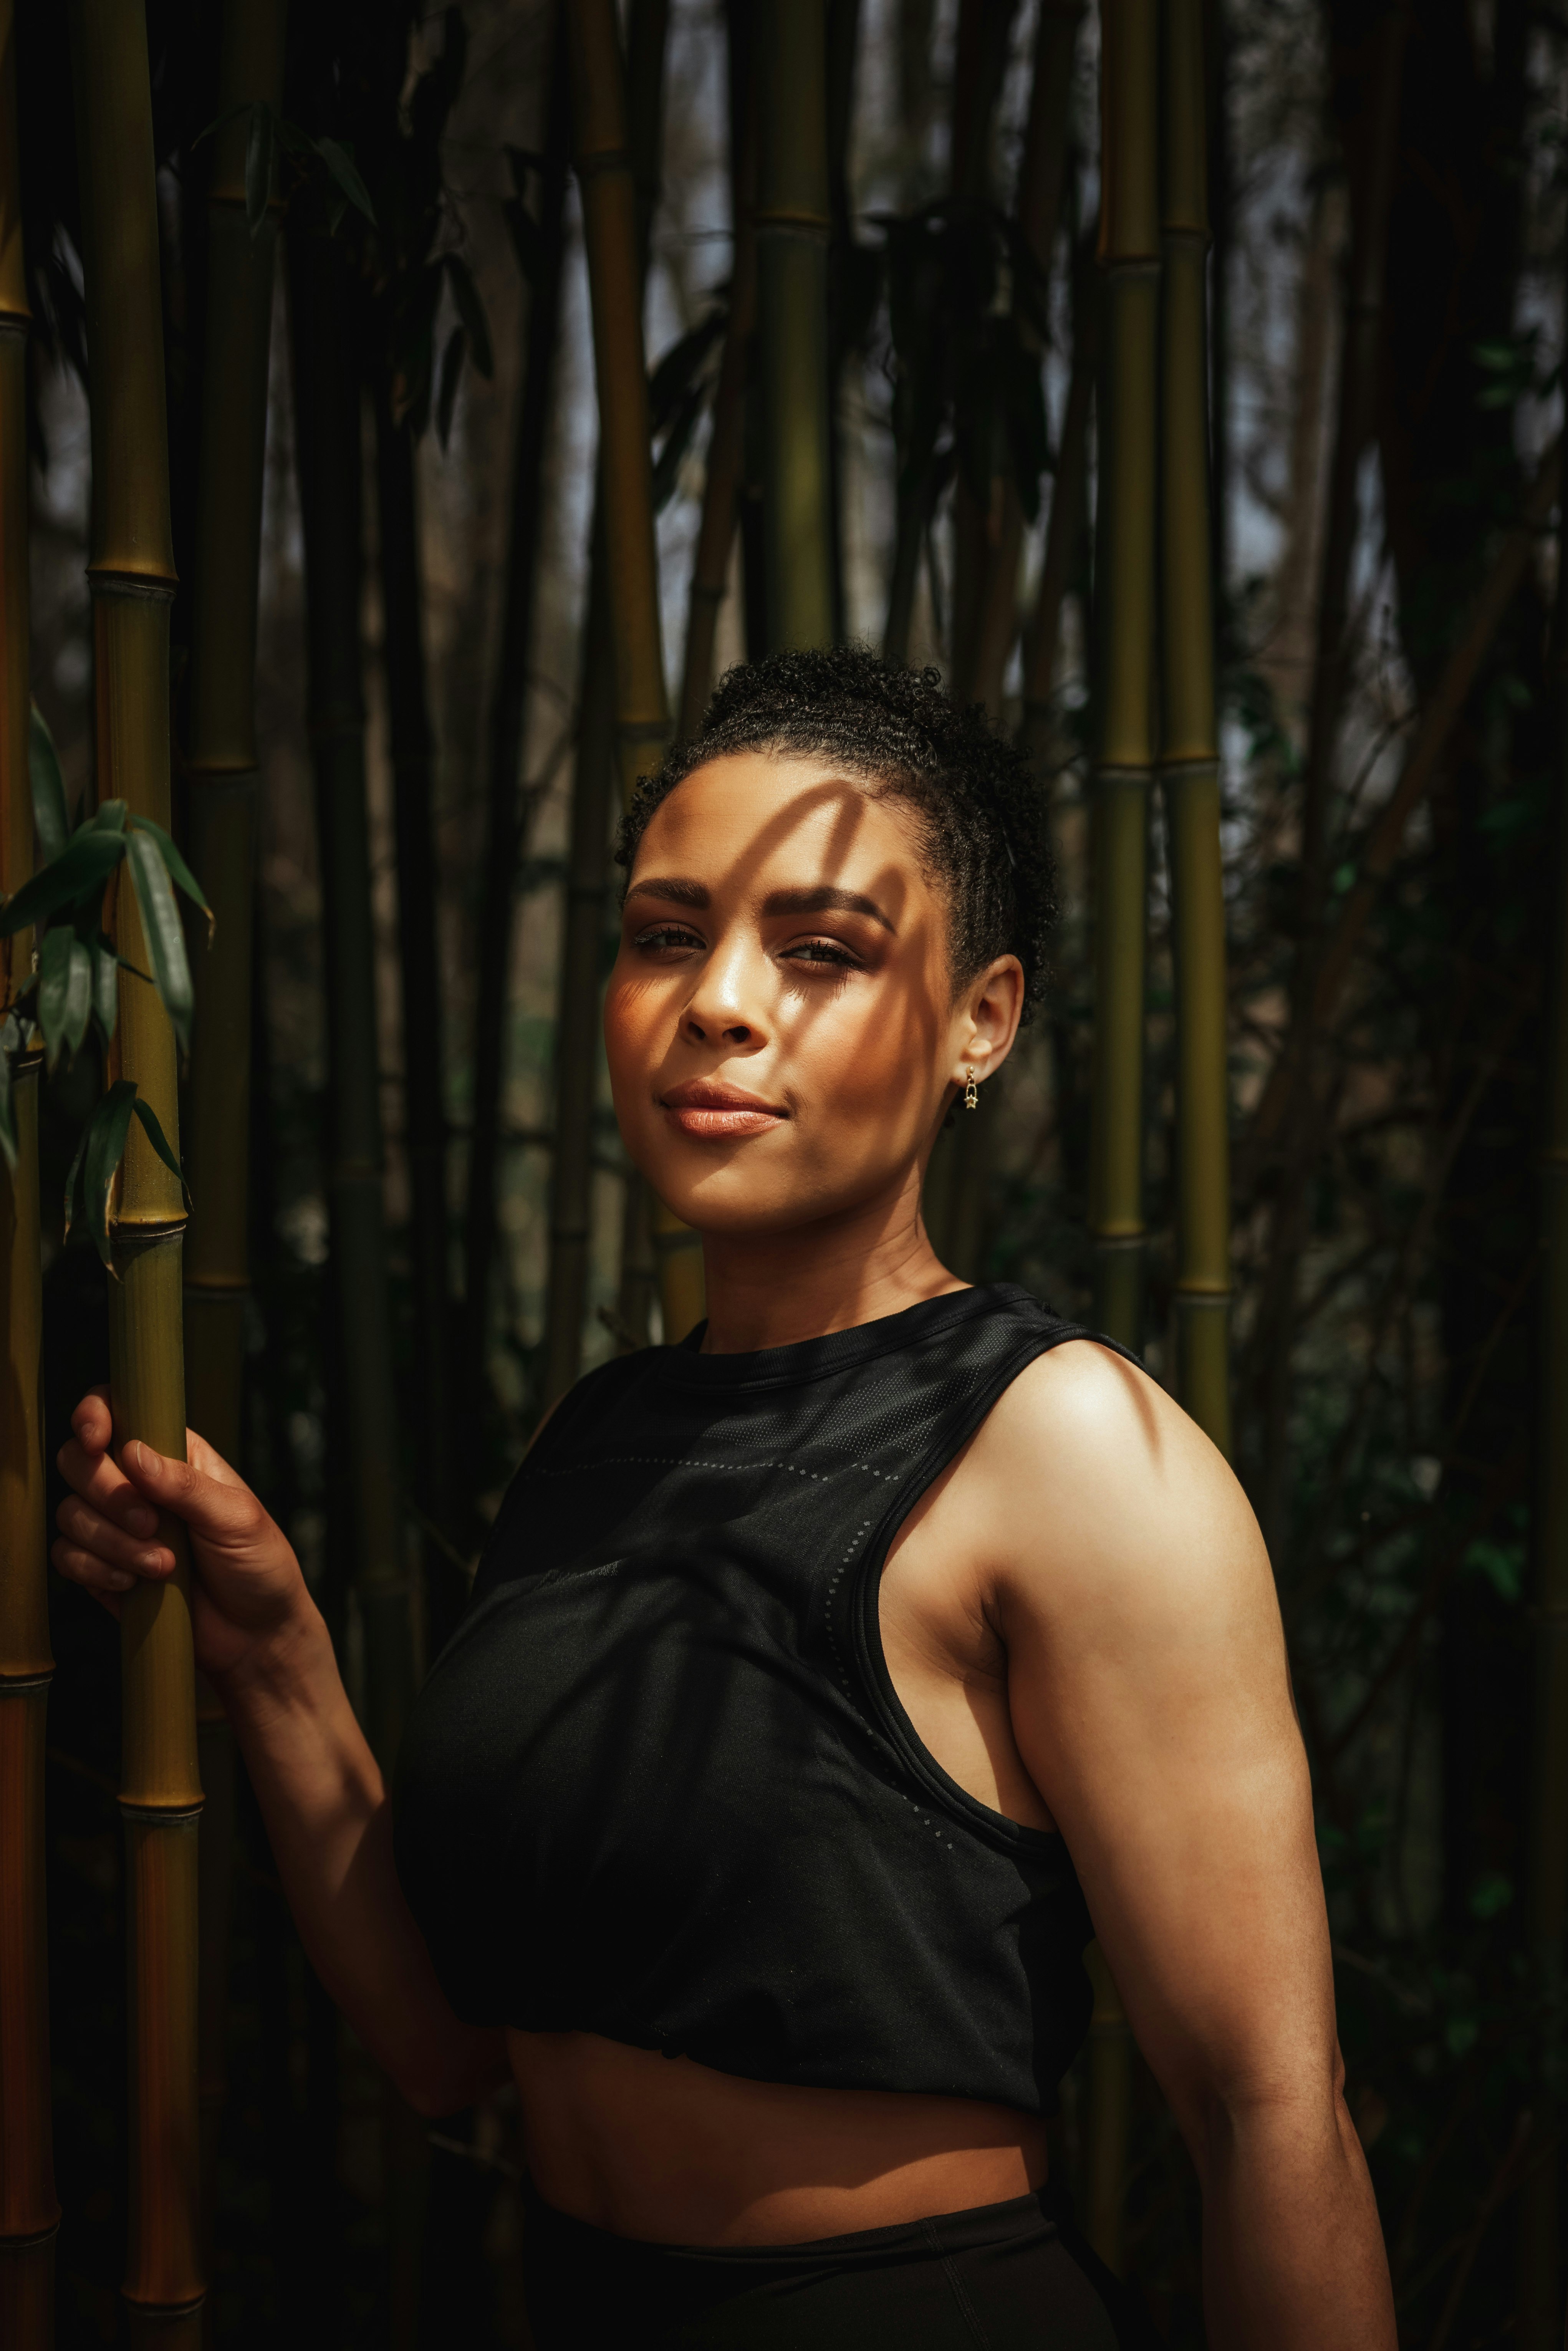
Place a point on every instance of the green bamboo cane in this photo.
(30, 2211)
(1190, 751)
(642, 718)
(327, 451)
(793, 227)
(222, 765)
(132, 575)
(1129, 252)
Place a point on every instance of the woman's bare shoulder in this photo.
(1093, 1476)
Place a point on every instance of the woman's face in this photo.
(781, 1021)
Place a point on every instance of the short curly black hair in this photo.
(980, 815)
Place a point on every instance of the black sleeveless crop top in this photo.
(659, 1786)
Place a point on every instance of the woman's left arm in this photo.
(1151, 1703)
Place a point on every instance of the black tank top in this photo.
(659, 1786)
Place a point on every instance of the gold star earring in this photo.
(971, 1090)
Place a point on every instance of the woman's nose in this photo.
(724, 1007)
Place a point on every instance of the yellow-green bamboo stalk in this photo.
(132, 575)
(221, 762)
(29, 2213)
(642, 710)
(794, 224)
(1190, 748)
(1129, 253)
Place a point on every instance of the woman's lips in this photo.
(698, 1109)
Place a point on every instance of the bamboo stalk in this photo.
(1063, 535)
(326, 443)
(793, 227)
(979, 527)
(1546, 1890)
(587, 855)
(412, 746)
(1129, 253)
(577, 1017)
(1190, 750)
(29, 2211)
(1043, 171)
(132, 575)
(727, 444)
(504, 836)
(642, 723)
(222, 767)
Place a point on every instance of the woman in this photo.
(826, 1675)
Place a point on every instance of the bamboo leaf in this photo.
(161, 928)
(179, 871)
(451, 372)
(51, 818)
(79, 871)
(340, 164)
(160, 1142)
(105, 1139)
(110, 817)
(106, 985)
(258, 166)
(471, 311)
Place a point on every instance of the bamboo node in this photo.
(26, 1685)
(136, 1808)
(792, 220)
(112, 581)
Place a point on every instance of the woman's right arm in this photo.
(262, 1642)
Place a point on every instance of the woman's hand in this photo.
(248, 1598)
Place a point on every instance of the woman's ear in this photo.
(993, 1007)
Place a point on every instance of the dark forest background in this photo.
(1385, 1251)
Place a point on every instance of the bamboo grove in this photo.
(404, 419)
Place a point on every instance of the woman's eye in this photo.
(823, 951)
(667, 935)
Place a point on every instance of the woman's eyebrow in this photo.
(674, 888)
(826, 898)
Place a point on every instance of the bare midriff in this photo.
(673, 2153)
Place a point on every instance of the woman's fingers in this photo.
(100, 1537)
(90, 1472)
(94, 1574)
(222, 1513)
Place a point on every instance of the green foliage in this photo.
(74, 984)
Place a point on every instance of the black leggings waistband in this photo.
(1014, 2276)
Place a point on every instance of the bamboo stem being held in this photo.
(1129, 253)
(1190, 751)
(222, 766)
(132, 575)
(30, 2211)
(641, 712)
(793, 226)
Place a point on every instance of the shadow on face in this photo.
(781, 1024)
